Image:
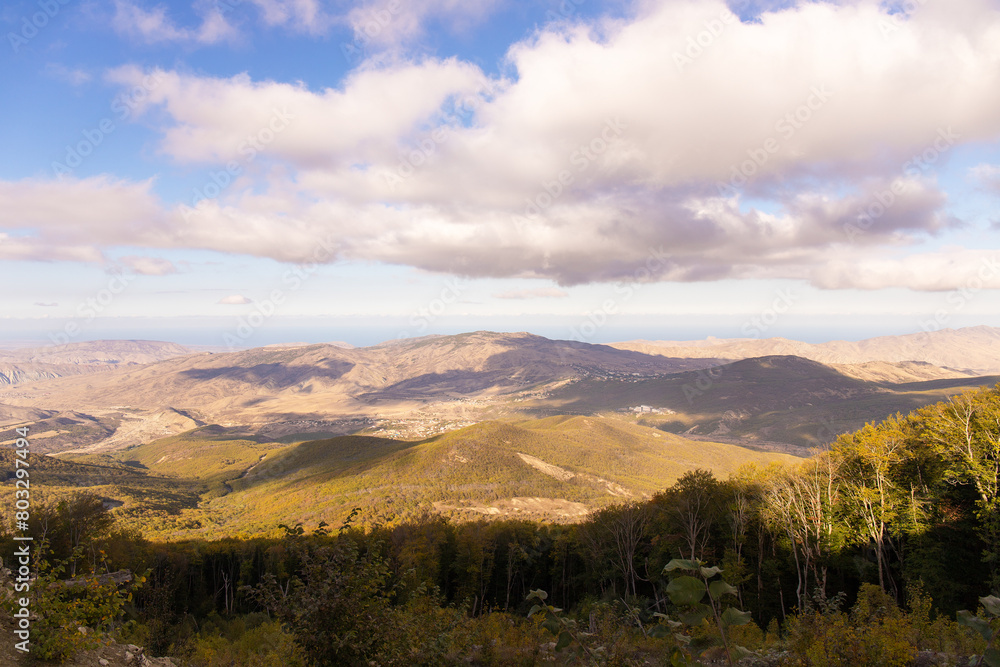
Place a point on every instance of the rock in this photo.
(103, 662)
(129, 657)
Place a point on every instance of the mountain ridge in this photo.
(974, 350)
(414, 388)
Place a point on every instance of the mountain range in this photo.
(972, 351)
(128, 392)
(483, 423)
(30, 365)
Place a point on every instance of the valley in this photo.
(556, 469)
(463, 472)
(480, 424)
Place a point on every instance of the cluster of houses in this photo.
(642, 409)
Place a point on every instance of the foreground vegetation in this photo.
(863, 554)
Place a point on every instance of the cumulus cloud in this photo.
(612, 151)
(537, 293)
(75, 219)
(234, 300)
(218, 120)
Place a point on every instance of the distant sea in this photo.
(237, 332)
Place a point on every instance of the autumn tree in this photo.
(873, 499)
(801, 503)
(965, 431)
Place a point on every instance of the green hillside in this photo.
(137, 495)
(206, 457)
(556, 468)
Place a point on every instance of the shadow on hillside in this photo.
(276, 375)
(438, 385)
(761, 384)
(950, 383)
(524, 367)
(333, 458)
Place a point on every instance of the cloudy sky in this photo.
(253, 171)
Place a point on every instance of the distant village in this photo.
(650, 410)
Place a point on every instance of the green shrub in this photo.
(424, 633)
(749, 636)
(74, 618)
(263, 645)
(986, 627)
(337, 606)
(699, 597)
(875, 634)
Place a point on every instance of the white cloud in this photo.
(388, 25)
(234, 300)
(536, 293)
(604, 157)
(379, 26)
(360, 122)
(304, 15)
(951, 269)
(154, 26)
(148, 266)
(72, 76)
(987, 176)
(74, 219)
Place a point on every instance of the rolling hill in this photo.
(556, 469)
(416, 388)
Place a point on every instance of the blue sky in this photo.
(244, 172)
